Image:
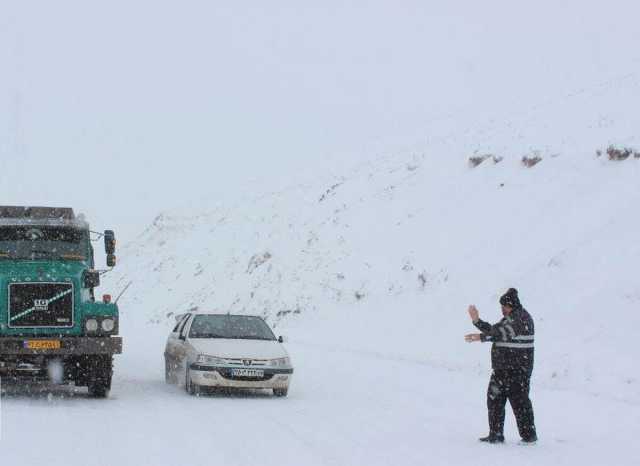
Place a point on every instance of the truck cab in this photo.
(52, 327)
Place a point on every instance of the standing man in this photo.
(512, 363)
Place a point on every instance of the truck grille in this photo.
(40, 305)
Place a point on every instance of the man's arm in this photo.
(483, 326)
(480, 324)
(503, 331)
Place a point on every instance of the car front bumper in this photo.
(212, 376)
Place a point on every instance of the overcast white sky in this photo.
(123, 108)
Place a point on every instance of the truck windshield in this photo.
(42, 242)
(230, 326)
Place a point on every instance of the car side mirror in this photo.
(91, 279)
(282, 339)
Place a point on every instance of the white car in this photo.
(226, 351)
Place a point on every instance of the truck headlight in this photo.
(91, 325)
(209, 360)
(280, 362)
(108, 325)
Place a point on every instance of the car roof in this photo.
(219, 313)
(214, 313)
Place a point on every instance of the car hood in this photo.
(239, 349)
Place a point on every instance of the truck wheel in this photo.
(101, 375)
(280, 392)
(192, 388)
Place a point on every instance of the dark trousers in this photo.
(512, 386)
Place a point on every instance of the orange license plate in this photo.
(42, 344)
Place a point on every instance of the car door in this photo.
(181, 350)
(174, 350)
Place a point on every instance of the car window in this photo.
(230, 326)
(180, 321)
(184, 326)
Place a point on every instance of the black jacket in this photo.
(512, 339)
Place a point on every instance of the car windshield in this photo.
(229, 326)
(42, 242)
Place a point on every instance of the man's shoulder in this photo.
(523, 315)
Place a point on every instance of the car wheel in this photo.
(169, 374)
(192, 388)
(280, 392)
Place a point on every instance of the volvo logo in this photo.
(246, 362)
(41, 304)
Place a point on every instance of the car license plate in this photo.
(42, 344)
(247, 373)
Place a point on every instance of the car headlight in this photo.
(91, 325)
(209, 360)
(108, 325)
(280, 362)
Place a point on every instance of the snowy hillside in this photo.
(397, 248)
(369, 272)
(321, 154)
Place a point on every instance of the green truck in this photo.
(52, 327)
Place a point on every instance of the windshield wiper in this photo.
(29, 255)
(39, 251)
(253, 338)
(72, 257)
(56, 256)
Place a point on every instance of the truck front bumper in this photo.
(68, 346)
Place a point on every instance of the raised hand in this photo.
(474, 313)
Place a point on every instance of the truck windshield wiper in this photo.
(40, 251)
(72, 257)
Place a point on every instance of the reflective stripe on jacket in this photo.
(513, 341)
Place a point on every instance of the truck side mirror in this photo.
(111, 260)
(109, 242)
(91, 279)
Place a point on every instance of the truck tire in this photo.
(100, 377)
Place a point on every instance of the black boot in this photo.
(529, 440)
(493, 438)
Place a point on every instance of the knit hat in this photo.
(510, 298)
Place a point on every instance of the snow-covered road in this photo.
(344, 408)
